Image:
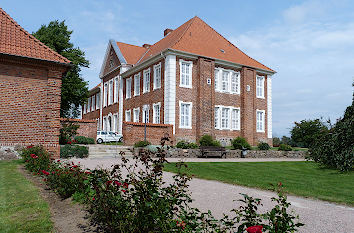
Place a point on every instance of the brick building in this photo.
(30, 87)
(193, 79)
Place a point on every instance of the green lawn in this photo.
(21, 208)
(299, 178)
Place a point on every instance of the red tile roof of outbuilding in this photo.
(15, 40)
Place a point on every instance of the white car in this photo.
(107, 136)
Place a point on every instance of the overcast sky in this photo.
(309, 43)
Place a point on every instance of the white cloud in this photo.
(313, 57)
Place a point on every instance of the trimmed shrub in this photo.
(84, 140)
(263, 146)
(142, 144)
(186, 145)
(36, 158)
(240, 143)
(285, 147)
(207, 140)
(77, 151)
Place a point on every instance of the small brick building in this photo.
(193, 79)
(30, 88)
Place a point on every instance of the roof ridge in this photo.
(191, 21)
(33, 37)
(232, 43)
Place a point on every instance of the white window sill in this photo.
(260, 97)
(184, 86)
(260, 131)
(146, 91)
(136, 95)
(185, 127)
(156, 88)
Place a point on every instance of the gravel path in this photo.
(319, 216)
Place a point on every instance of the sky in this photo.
(309, 43)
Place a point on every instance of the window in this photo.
(104, 124)
(115, 122)
(85, 107)
(128, 88)
(145, 113)
(185, 115)
(116, 90)
(235, 83)
(98, 125)
(93, 103)
(260, 86)
(225, 116)
(128, 115)
(98, 100)
(105, 95)
(110, 92)
(225, 81)
(156, 113)
(146, 81)
(185, 73)
(137, 84)
(235, 119)
(217, 118)
(89, 104)
(136, 112)
(216, 73)
(260, 120)
(157, 76)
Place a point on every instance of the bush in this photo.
(36, 158)
(84, 140)
(306, 132)
(335, 149)
(67, 131)
(276, 142)
(142, 144)
(263, 146)
(240, 143)
(77, 151)
(186, 145)
(207, 140)
(285, 147)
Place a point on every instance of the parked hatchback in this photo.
(108, 136)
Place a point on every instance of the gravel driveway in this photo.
(319, 216)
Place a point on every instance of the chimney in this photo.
(147, 46)
(167, 31)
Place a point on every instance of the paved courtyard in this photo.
(319, 216)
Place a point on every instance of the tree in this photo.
(74, 91)
(305, 133)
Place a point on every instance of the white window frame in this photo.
(237, 119)
(105, 87)
(145, 108)
(136, 113)
(227, 118)
(116, 91)
(115, 122)
(89, 104)
(85, 108)
(98, 100)
(146, 80)
(260, 125)
(189, 126)
(217, 72)
(137, 84)
(157, 76)
(190, 78)
(156, 114)
(128, 115)
(128, 91)
(218, 118)
(225, 80)
(110, 92)
(260, 86)
(236, 82)
(93, 102)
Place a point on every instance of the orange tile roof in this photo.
(15, 40)
(131, 53)
(92, 89)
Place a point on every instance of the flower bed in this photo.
(142, 202)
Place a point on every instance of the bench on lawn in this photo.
(212, 151)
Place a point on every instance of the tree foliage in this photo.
(305, 132)
(335, 148)
(74, 91)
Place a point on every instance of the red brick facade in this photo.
(87, 128)
(134, 132)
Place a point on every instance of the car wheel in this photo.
(99, 141)
(120, 139)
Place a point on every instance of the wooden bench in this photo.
(212, 151)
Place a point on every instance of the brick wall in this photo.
(88, 128)
(134, 132)
(30, 104)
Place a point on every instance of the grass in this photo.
(21, 207)
(299, 178)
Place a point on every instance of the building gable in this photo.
(112, 59)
